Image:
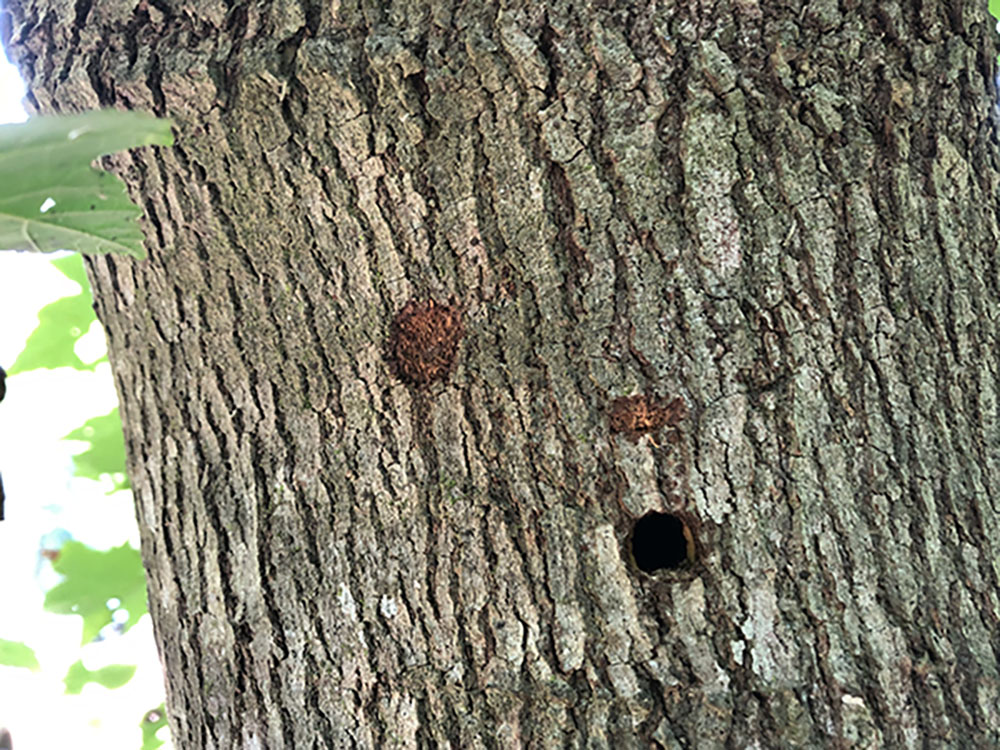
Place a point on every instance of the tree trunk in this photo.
(784, 217)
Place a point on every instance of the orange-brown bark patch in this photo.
(634, 416)
(424, 340)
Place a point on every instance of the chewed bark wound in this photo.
(424, 340)
(634, 416)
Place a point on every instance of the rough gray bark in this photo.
(785, 216)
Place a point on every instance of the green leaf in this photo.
(60, 324)
(91, 579)
(153, 722)
(106, 454)
(994, 8)
(112, 676)
(50, 196)
(17, 654)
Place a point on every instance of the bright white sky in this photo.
(42, 495)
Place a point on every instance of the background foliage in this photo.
(51, 198)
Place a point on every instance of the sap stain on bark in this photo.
(424, 340)
(634, 416)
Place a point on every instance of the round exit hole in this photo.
(661, 541)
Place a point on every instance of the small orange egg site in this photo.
(424, 340)
(634, 416)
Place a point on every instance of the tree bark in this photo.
(783, 215)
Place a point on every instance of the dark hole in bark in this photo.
(661, 540)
